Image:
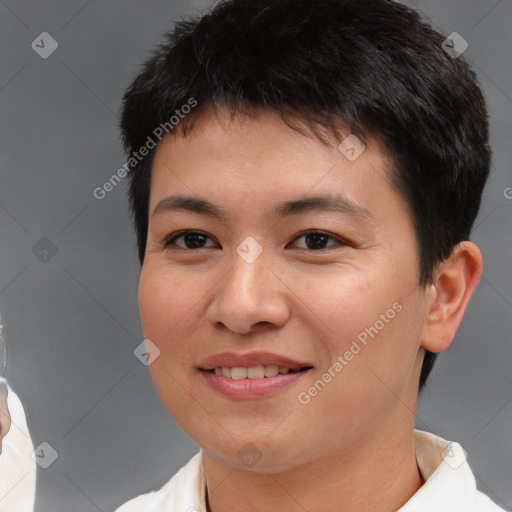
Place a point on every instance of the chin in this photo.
(262, 455)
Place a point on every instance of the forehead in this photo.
(249, 159)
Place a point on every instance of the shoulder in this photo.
(450, 485)
(184, 491)
(482, 502)
(17, 467)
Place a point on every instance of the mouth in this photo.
(252, 382)
(252, 375)
(254, 372)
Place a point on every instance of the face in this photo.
(268, 275)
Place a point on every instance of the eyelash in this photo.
(169, 241)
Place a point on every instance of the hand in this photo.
(5, 417)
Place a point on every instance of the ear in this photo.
(455, 280)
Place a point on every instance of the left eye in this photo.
(315, 240)
(318, 238)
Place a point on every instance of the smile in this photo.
(241, 383)
(254, 372)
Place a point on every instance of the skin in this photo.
(5, 417)
(351, 447)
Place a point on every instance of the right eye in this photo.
(192, 240)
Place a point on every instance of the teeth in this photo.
(238, 372)
(254, 372)
(271, 371)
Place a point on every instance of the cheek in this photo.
(379, 356)
(341, 306)
(166, 297)
(167, 303)
(372, 322)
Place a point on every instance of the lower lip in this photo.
(244, 389)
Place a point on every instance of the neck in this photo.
(379, 472)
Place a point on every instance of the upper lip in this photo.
(232, 359)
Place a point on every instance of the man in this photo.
(304, 179)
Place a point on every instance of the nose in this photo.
(250, 297)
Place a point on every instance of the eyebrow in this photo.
(329, 202)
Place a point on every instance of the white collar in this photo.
(449, 483)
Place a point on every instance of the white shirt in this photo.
(449, 484)
(17, 468)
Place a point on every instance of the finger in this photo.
(5, 417)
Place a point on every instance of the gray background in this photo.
(72, 321)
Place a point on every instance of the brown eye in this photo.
(191, 240)
(316, 240)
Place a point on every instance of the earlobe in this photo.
(456, 278)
